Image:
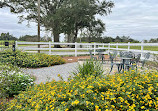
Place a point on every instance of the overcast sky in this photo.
(135, 18)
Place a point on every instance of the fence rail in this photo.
(47, 46)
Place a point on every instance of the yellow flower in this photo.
(46, 107)
(75, 102)
(96, 108)
(87, 102)
(66, 109)
(112, 106)
(142, 107)
(83, 95)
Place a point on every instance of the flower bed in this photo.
(128, 91)
(13, 81)
(23, 59)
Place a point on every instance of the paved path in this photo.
(50, 73)
(65, 70)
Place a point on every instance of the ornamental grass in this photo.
(127, 91)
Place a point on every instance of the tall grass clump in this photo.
(89, 67)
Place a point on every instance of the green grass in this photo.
(2, 43)
(152, 48)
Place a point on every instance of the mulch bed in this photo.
(75, 59)
(6, 99)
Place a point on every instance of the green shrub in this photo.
(127, 91)
(24, 59)
(12, 81)
(89, 67)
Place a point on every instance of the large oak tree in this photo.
(81, 14)
(61, 16)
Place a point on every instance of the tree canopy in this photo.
(62, 16)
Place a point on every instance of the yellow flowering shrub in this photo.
(23, 59)
(128, 91)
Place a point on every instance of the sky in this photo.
(135, 18)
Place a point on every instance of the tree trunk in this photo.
(89, 39)
(68, 39)
(75, 34)
(56, 37)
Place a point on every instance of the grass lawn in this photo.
(152, 48)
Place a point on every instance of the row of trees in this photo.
(34, 38)
(152, 40)
(7, 36)
(30, 38)
(106, 39)
(63, 16)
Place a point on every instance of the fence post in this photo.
(128, 46)
(49, 47)
(94, 48)
(16, 44)
(142, 48)
(88, 47)
(117, 46)
(75, 49)
(108, 48)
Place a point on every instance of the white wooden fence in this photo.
(47, 46)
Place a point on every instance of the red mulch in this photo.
(7, 99)
(75, 59)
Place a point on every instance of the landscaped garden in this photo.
(13, 80)
(89, 90)
(93, 86)
(27, 60)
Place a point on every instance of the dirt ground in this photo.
(75, 59)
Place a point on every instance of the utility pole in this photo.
(38, 24)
